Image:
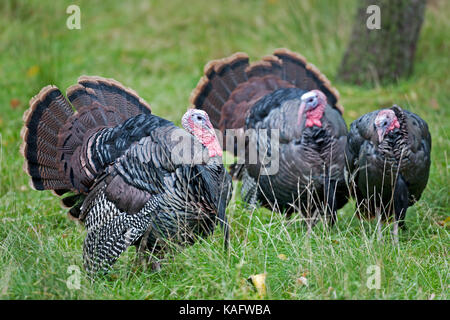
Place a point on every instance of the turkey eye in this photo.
(199, 118)
(384, 123)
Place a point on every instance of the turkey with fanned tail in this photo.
(131, 177)
(286, 111)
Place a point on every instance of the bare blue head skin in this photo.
(197, 122)
(385, 122)
(313, 103)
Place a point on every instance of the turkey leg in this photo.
(401, 196)
(330, 202)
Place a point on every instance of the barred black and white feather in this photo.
(118, 164)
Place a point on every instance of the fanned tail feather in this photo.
(231, 86)
(48, 112)
(220, 80)
(306, 76)
(107, 92)
(54, 132)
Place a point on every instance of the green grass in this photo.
(159, 49)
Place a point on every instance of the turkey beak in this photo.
(381, 132)
(301, 111)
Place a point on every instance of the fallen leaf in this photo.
(32, 71)
(64, 235)
(259, 281)
(282, 256)
(148, 296)
(302, 281)
(14, 103)
(444, 223)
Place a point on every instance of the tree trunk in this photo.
(380, 56)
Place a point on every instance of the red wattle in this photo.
(313, 116)
(394, 124)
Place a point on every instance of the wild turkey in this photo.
(389, 157)
(281, 92)
(132, 176)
